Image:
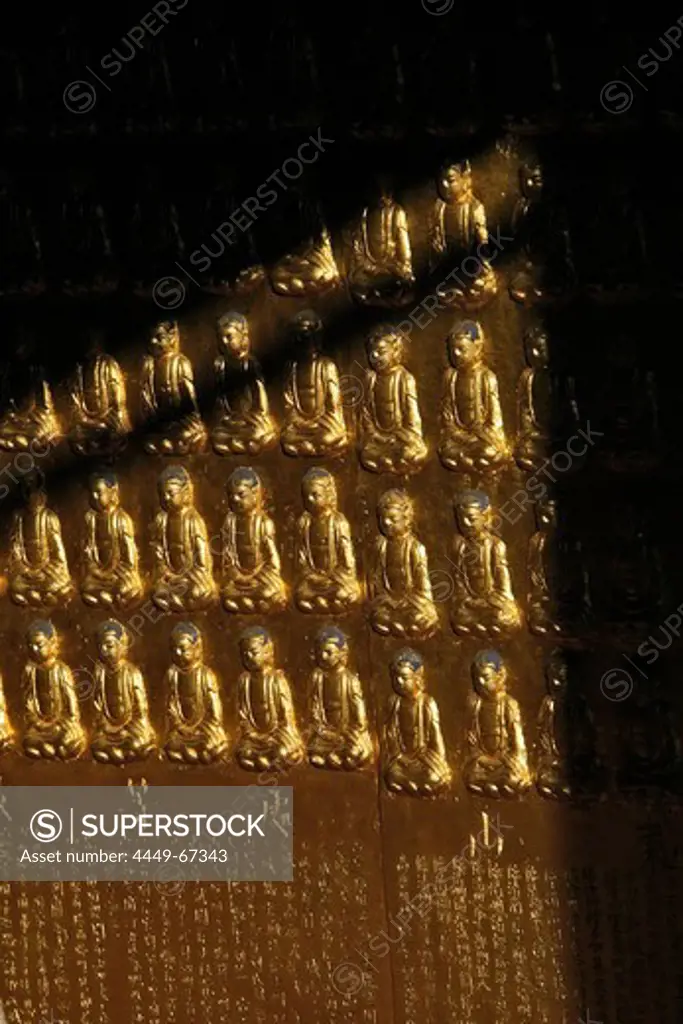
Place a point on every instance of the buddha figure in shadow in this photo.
(52, 717)
(122, 730)
(651, 753)
(38, 568)
(243, 422)
(99, 420)
(559, 601)
(413, 751)
(327, 580)
(630, 423)
(269, 737)
(168, 395)
(380, 265)
(339, 737)
(183, 566)
(472, 435)
(194, 710)
(632, 579)
(111, 572)
(496, 760)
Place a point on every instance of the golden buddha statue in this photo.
(122, 731)
(243, 424)
(496, 764)
(547, 412)
(567, 761)
(400, 589)
(30, 419)
(38, 569)
(183, 568)
(168, 396)
(100, 422)
(559, 596)
(314, 417)
(457, 226)
(413, 750)
(483, 603)
(6, 730)
(52, 716)
(311, 268)
(111, 575)
(326, 563)
(269, 737)
(391, 426)
(196, 734)
(472, 435)
(380, 268)
(251, 576)
(339, 735)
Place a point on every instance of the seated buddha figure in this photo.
(29, 418)
(38, 569)
(314, 417)
(196, 734)
(472, 435)
(269, 737)
(400, 589)
(547, 413)
(380, 268)
(99, 421)
(111, 575)
(122, 731)
(52, 715)
(243, 423)
(483, 603)
(628, 395)
(251, 577)
(183, 569)
(168, 396)
(559, 597)
(651, 752)
(6, 731)
(496, 762)
(326, 563)
(391, 426)
(458, 227)
(413, 750)
(311, 268)
(632, 585)
(339, 735)
(567, 760)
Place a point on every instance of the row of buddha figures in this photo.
(317, 398)
(413, 754)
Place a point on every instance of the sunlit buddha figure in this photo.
(547, 413)
(6, 730)
(111, 576)
(413, 750)
(314, 416)
(559, 596)
(567, 759)
(194, 710)
(483, 602)
(183, 567)
(457, 230)
(472, 434)
(628, 395)
(496, 761)
(52, 715)
(243, 422)
(326, 563)
(651, 752)
(400, 589)
(38, 568)
(391, 425)
(380, 266)
(311, 268)
(339, 735)
(269, 737)
(122, 731)
(251, 576)
(99, 420)
(168, 396)
(29, 419)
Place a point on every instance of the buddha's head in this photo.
(319, 490)
(489, 675)
(245, 490)
(455, 181)
(42, 642)
(331, 648)
(233, 335)
(104, 490)
(165, 337)
(466, 343)
(385, 348)
(96, 341)
(113, 641)
(186, 646)
(395, 514)
(256, 649)
(407, 673)
(473, 513)
(536, 348)
(307, 327)
(33, 489)
(545, 513)
(531, 180)
(556, 673)
(175, 488)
